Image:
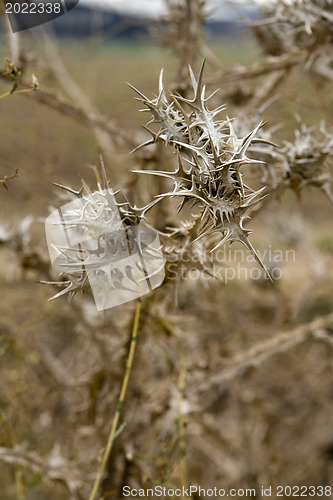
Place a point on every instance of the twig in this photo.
(185, 36)
(260, 353)
(59, 469)
(265, 92)
(258, 69)
(114, 428)
(67, 108)
(70, 86)
(8, 178)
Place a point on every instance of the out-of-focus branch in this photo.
(258, 69)
(7, 178)
(79, 114)
(265, 92)
(75, 92)
(55, 467)
(8, 430)
(260, 353)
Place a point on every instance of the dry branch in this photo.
(263, 351)
(75, 112)
(55, 467)
(284, 61)
(69, 85)
(8, 178)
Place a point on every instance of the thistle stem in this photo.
(181, 391)
(113, 432)
(180, 419)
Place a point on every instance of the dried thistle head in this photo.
(296, 25)
(210, 159)
(95, 240)
(304, 161)
(309, 159)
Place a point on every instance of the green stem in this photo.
(113, 432)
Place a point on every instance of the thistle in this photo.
(94, 240)
(97, 241)
(299, 25)
(210, 157)
(309, 159)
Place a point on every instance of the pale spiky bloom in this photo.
(208, 176)
(303, 25)
(95, 240)
(309, 159)
(210, 159)
(93, 214)
(296, 23)
(304, 161)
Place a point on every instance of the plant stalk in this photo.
(113, 432)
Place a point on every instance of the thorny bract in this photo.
(208, 178)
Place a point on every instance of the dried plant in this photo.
(7, 178)
(185, 35)
(100, 216)
(309, 159)
(212, 362)
(210, 159)
(305, 161)
(208, 177)
(301, 23)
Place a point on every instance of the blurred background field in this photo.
(271, 422)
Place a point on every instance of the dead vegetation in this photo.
(231, 382)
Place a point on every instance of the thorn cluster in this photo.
(210, 160)
(96, 216)
(307, 25)
(309, 159)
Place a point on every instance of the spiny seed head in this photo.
(309, 159)
(210, 160)
(295, 24)
(90, 232)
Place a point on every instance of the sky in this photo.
(154, 8)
